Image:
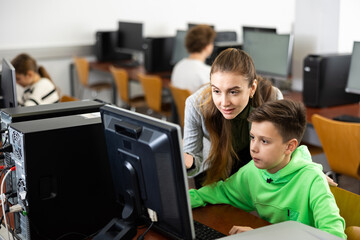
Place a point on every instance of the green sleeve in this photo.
(325, 211)
(233, 191)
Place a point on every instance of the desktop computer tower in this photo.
(158, 52)
(324, 80)
(106, 47)
(63, 177)
(21, 114)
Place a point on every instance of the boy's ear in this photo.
(292, 144)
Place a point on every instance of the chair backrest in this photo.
(349, 206)
(152, 86)
(121, 79)
(67, 98)
(180, 95)
(82, 69)
(340, 141)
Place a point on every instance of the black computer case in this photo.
(157, 53)
(106, 47)
(63, 177)
(324, 80)
(21, 114)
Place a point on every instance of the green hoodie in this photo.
(297, 192)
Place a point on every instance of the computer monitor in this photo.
(271, 53)
(353, 81)
(8, 85)
(179, 50)
(130, 36)
(190, 25)
(148, 170)
(257, 29)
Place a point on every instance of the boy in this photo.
(281, 182)
(191, 73)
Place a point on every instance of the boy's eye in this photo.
(252, 137)
(234, 92)
(264, 141)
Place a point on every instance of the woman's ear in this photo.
(253, 88)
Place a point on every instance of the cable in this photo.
(6, 148)
(3, 130)
(3, 198)
(141, 237)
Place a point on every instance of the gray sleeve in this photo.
(278, 93)
(194, 135)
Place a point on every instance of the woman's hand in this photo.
(239, 229)
(189, 160)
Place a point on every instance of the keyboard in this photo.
(203, 232)
(347, 118)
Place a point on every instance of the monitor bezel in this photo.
(8, 88)
(352, 77)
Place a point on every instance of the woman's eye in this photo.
(264, 141)
(252, 137)
(215, 91)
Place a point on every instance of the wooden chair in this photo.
(340, 141)
(179, 96)
(152, 86)
(121, 80)
(67, 98)
(83, 68)
(349, 206)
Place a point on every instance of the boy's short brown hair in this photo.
(288, 116)
(198, 37)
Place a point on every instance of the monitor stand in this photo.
(117, 229)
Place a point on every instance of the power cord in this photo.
(6, 148)
(3, 198)
(141, 237)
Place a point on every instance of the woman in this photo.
(218, 113)
(37, 84)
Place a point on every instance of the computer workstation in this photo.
(332, 81)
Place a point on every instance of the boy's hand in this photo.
(330, 181)
(239, 229)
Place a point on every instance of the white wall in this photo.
(40, 23)
(44, 27)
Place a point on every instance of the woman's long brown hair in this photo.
(222, 154)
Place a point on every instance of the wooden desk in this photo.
(220, 217)
(329, 112)
(310, 135)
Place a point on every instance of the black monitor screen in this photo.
(179, 50)
(271, 53)
(190, 25)
(353, 82)
(8, 85)
(130, 35)
(148, 170)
